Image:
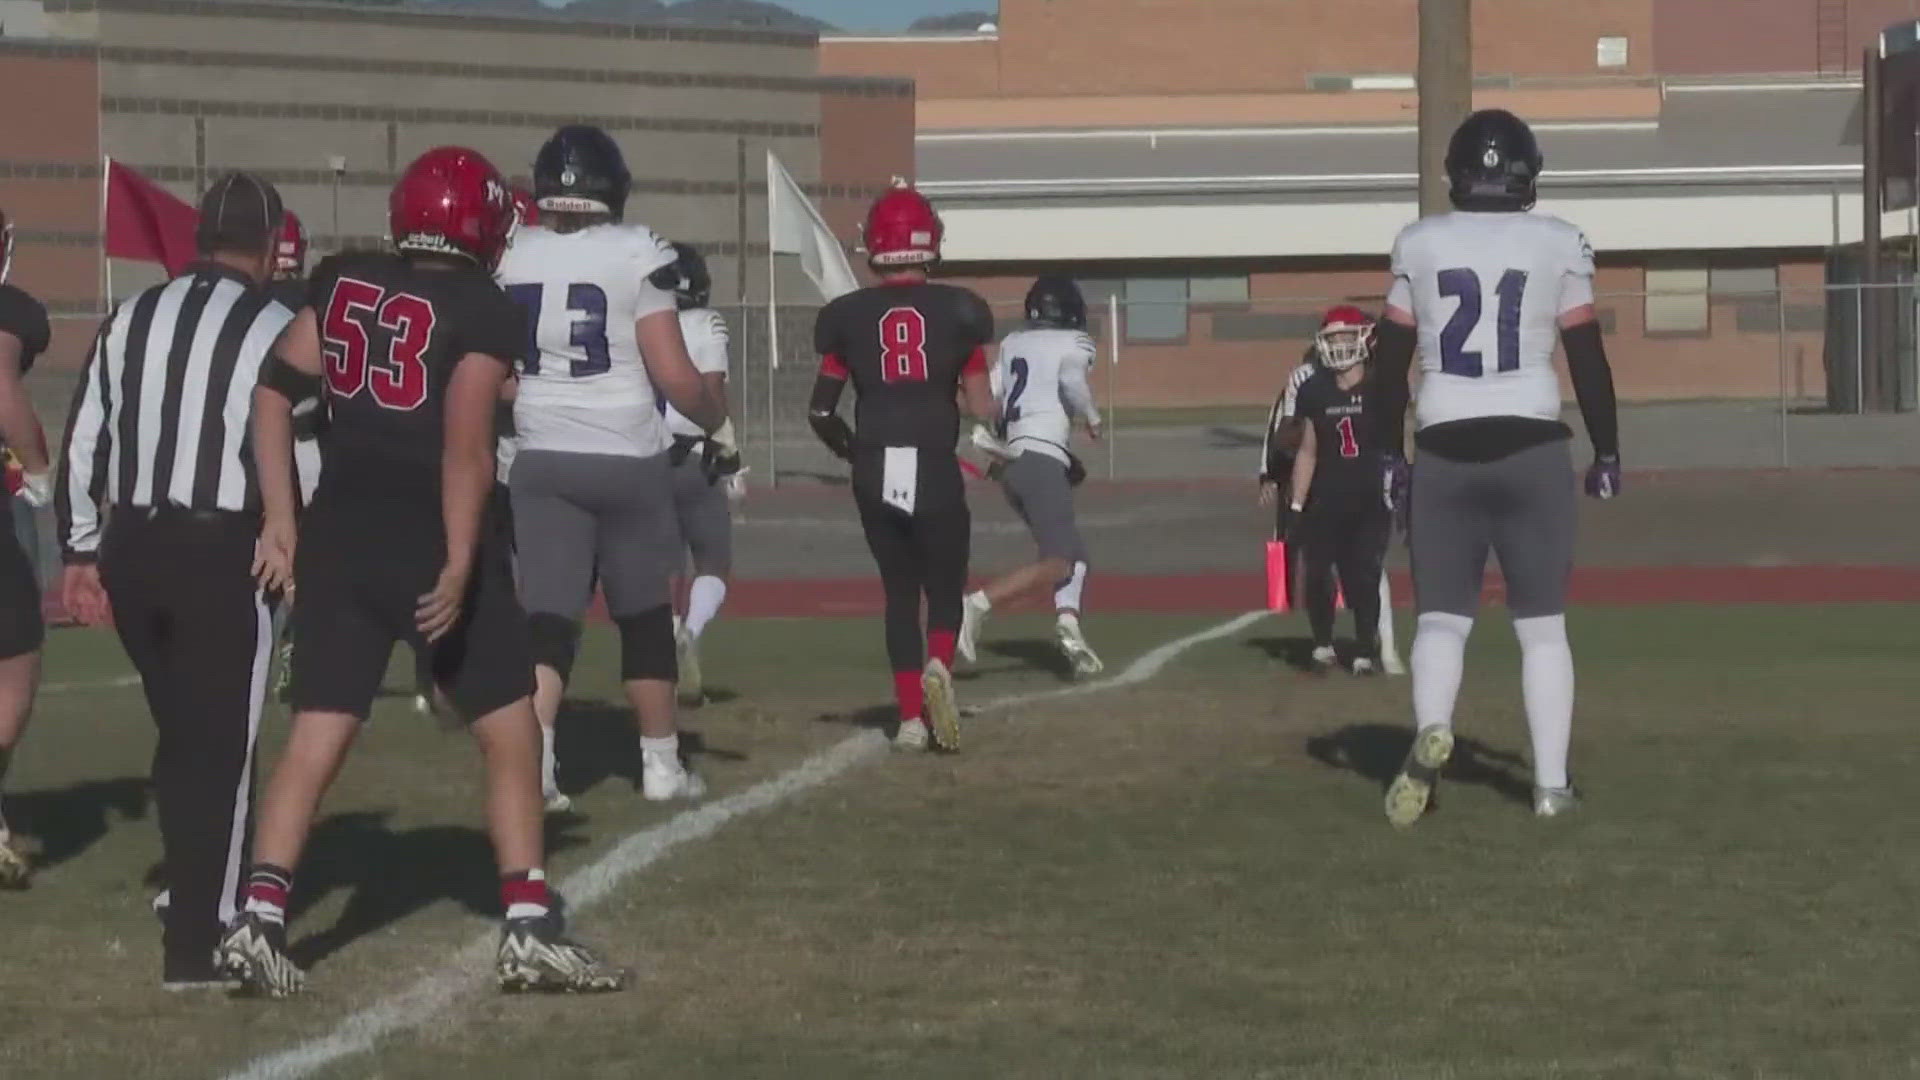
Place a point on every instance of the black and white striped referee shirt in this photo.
(161, 415)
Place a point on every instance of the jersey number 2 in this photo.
(588, 333)
(1018, 369)
(395, 381)
(903, 345)
(1464, 285)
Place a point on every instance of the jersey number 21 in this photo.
(1463, 284)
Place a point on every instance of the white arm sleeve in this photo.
(1576, 282)
(1075, 391)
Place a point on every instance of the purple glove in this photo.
(1603, 477)
(1394, 484)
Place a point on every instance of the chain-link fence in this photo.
(1781, 378)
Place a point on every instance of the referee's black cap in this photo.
(239, 213)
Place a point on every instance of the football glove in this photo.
(735, 486)
(1395, 482)
(36, 488)
(985, 442)
(1603, 477)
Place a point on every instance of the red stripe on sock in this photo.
(520, 889)
(940, 644)
(906, 690)
(268, 893)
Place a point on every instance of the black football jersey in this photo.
(1343, 453)
(904, 348)
(25, 318)
(391, 331)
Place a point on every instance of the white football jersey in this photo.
(706, 335)
(1486, 291)
(583, 386)
(1040, 378)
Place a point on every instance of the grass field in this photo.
(1186, 877)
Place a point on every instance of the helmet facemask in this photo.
(1341, 346)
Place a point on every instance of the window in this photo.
(1610, 52)
(1227, 291)
(1676, 301)
(1155, 310)
(1747, 280)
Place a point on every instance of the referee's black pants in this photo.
(201, 636)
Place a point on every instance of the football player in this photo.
(910, 347)
(706, 473)
(592, 485)
(24, 335)
(413, 347)
(1337, 517)
(1041, 375)
(1341, 325)
(1485, 292)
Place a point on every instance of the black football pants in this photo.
(201, 636)
(922, 554)
(1344, 532)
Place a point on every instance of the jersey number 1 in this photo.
(1464, 285)
(903, 345)
(395, 381)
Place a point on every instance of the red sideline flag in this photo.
(145, 222)
(1277, 575)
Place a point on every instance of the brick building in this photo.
(182, 89)
(1228, 167)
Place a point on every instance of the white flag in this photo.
(796, 228)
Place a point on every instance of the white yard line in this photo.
(433, 993)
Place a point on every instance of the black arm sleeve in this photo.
(288, 381)
(1386, 402)
(824, 417)
(1593, 386)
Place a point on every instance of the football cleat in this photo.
(1391, 664)
(534, 956)
(912, 735)
(1078, 653)
(1363, 666)
(663, 777)
(1553, 802)
(557, 801)
(1322, 659)
(253, 951)
(15, 870)
(973, 614)
(688, 649)
(943, 712)
(1410, 792)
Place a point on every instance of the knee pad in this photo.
(647, 648)
(555, 640)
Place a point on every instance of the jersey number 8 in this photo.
(396, 381)
(903, 345)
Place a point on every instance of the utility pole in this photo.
(1445, 83)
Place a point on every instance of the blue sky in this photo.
(881, 14)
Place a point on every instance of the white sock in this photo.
(1387, 645)
(1070, 620)
(1439, 658)
(1068, 594)
(1546, 684)
(666, 748)
(548, 764)
(703, 602)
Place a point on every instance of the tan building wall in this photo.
(1238, 354)
(1068, 47)
(181, 90)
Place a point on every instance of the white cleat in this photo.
(1553, 802)
(1363, 666)
(557, 801)
(1390, 663)
(422, 704)
(663, 777)
(973, 614)
(912, 736)
(1323, 658)
(1407, 799)
(943, 711)
(690, 689)
(1078, 653)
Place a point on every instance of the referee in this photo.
(158, 434)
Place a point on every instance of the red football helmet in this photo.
(1345, 337)
(524, 205)
(452, 201)
(903, 230)
(290, 251)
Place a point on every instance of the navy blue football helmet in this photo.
(1055, 301)
(1493, 162)
(580, 171)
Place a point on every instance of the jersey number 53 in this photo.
(397, 380)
